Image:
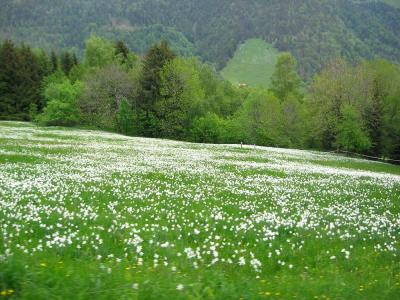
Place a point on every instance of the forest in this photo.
(313, 31)
(346, 106)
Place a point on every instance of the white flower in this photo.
(256, 264)
(242, 261)
(165, 245)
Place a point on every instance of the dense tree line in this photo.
(357, 108)
(143, 37)
(23, 71)
(313, 31)
(352, 107)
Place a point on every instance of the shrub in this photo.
(351, 135)
(207, 129)
(62, 104)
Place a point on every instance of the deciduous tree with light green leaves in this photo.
(62, 104)
(262, 121)
(350, 133)
(99, 52)
(285, 81)
(208, 129)
(104, 90)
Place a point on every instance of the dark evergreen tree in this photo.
(66, 62)
(75, 61)
(44, 70)
(125, 118)
(28, 90)
(121, 49)
(21, 75)
(150, 83)
(9, 79)
(54, 61)
(45, 67)
(374, 119)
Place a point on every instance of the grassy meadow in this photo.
(395, 3)
(95, 215)
(253, 64)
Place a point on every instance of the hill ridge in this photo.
(313, 31)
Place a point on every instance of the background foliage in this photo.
(347, 106)
(313, 31)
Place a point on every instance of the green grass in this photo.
(362, 165)
(252, 64)
(94, 215)
(395, 3)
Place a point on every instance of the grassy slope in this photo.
(395, 3)
(108, 194)
(253, 64)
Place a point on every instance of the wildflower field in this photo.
(94, 215)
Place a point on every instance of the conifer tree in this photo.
(28, 91)
(45, 67)
(21, 75)
(9, 79)
(67, 63)
(122, 50)
(75, 61)
(54, 61)
(150, 84)
(125, 118)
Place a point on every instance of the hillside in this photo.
(89, 214)
(394, 3)
(252, 64)
(314, 31)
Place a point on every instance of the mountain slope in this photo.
(315, 31)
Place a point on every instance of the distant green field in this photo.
(253, 64)
(395, 3)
